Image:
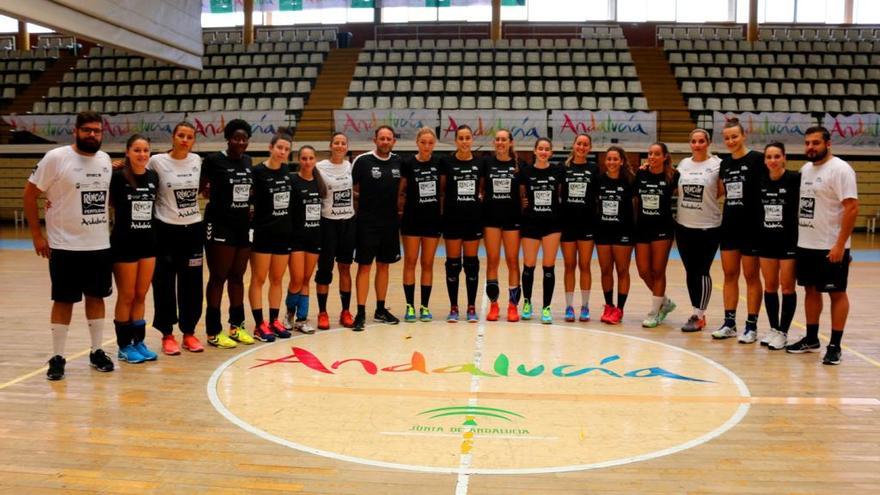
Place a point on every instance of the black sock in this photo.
(472, 278)
(362, 310)
(609, 297)
(771, 304)
(549, 284)
(138, 331)
(789, 305)
(513, 295)
(730, 317)
(345, 297)
(409, 293)
(492, 290)
(621, 300)
(528, 281)
(426, 294)
(123, 333)
(212, 321)
(813, 332)
(322, 302)
(236, 316)
(836, 335)
(453, 270)
(751, 321)
(258, 316)
(380, 305)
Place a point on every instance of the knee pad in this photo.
(453, 267)
(549, 271)
(471, 266)
(324, 277)
(530, 270)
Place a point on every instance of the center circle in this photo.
(483, 399)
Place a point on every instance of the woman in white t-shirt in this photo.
(698, 219)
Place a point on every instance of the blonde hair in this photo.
(700, 130)
(425, 130)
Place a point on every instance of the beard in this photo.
(88, 145)
(817, 156)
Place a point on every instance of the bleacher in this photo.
(18, 68)
(515, 74)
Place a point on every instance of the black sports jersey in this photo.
(229, 182)
(422, 190)
(614, 202)
(741, 177)
(501, 198)
(579, 192)
(305, 207)
(654, 192)
(542, 187)
(133, 207)
(272, 199)
(462, 199)
(377, 181)
(779, 215)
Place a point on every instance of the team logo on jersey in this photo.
(807, 208)
(186, 198)
(693, 193)
(93, 202)
(342, 198)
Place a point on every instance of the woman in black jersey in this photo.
(462, 222)
(614, 230)
(579, 223)
(540, 187)
(501, 220)
(421, 225)
(779, 193)
(655, 227)
(226, 181)
(133, 244)
(740, 174)
(270, 252)
(305, 213)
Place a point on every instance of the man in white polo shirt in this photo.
(76, 182)
(826, 216)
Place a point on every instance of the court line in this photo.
(467, 434)
(455, 435)
(44, 368)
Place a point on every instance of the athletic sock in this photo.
(258, 317)
(569, 299)
(751, 321)
(471, 278)
(96, 333)
(771, 305)
(730, 318)
(585, 298)
(345, 298)
(836, 335)
(699, 312)
(609, 297)
(138, 331)
(656, 304)
(273, 314)
(123, 333)
(59, 338)
(528, 281)
(302, 308)
(492, 290)
(322, 302)
(813, 332)
(236, 316)
(549, 284)
(426, 294)
(290, 302)
(513, 295)
(361, 310)
(409, 293)
(789, 305)
(621, 300)
(453, 270)
(380, 305)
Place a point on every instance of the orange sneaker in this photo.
(345, 319)
(192, 343)
(512, 313)
(323, 321)
(493, 312)
(606, 314)
(169, 345)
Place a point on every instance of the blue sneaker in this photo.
(453, 315)
(425, 314)
(546, 316)
(569, 314)
(145, 351)
(527, 310)
(585, 314)
(131, 355)
(472, 315)
(409, 315)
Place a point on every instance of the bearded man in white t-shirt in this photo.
(827, 213)
(76, 182)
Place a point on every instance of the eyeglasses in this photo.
(90, 130)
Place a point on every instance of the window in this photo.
(645, 10)
(866, 12)
(10, 25)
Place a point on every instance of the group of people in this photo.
(308, 216)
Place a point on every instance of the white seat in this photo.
(746, 105)
(366, 102)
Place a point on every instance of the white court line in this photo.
(429, 434)
(464, 464)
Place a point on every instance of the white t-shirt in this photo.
(697, 199)
(823, 189)
(177, 202)
(337, 205)
(78, 188)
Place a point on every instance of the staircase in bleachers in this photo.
(661, 90)
(20, 69)
(316, 123)
(38, 89)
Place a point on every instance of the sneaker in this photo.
(304, 327)
(803, 345)
(409, 316)
(667, 307)
(452, 317)
(512, 313)
(358, 323)
(832, 355)
(472, 315)
(323, 321)
(749, 336)
(547, 316)
(494, 310)
(145, 351)
(425, 315)
(56, 368)
(264, 334)
(289, 320)
(345, 319)
(130, 354)
(776, 340)
(765, 340)
(279, 330)
(606, 313)
(385, 316)
(694, 324)
(724, 332)
(527, 310)
(616, 316)
(585, 314)
(169, 345)
(239, 334)
(222, 341)
(192, 343)
(651, 321)
(569, 314)
(100, 361)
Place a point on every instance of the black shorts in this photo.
(573, 231)
(228, 235)
(778, 251)
(338, 239)
(462, 229)
(615, 235)
(74, 273)
(646, 234)
(740, 239)
(421, 229)
(308, 240)
(503, 222)
(270, 243)
(538, 229)
(814, 270)
(377, 242)
(128, 250)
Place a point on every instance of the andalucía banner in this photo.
(765, 127)
(360, 125)
(860, 129)
(604, 126)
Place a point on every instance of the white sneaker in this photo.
(289, 320)
(777, 340)
(725, 332)
(765, 340)
(304, 327)
(748, 336)
(651, 321)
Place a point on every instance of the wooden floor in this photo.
(152, 428)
